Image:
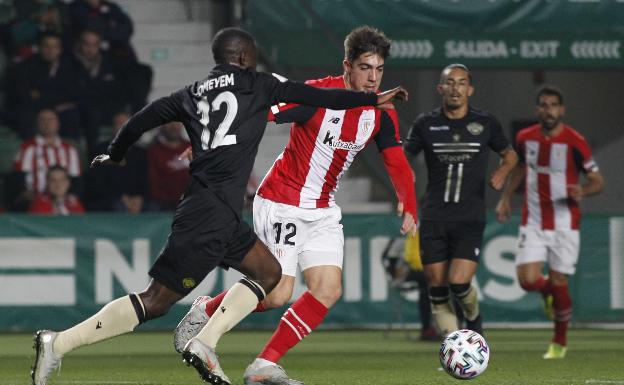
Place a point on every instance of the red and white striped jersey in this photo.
(321, 149)
(551, 165)
(34, 158)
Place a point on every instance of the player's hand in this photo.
(575, 191)
(187, 154)
(409, 225)
(384, 99)
(503, 210)
(105, 160)
(497, 179)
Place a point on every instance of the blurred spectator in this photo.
(106, 18)
(115, 29)
(37, 155)
(118, 189)
(45, 80)
(98, 87)
(33, 18)
(168, 172)
(57, 200)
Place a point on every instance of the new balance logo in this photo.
(222, 309)
(334, 120)
(99, 325)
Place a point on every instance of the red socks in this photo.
(213, 304)
(297, 322)
(562, 304)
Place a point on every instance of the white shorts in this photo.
(560, 248)
(308, 237)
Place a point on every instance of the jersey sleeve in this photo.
(157, 113)
(582, 155)
(497, 142)
(388, 134)
(300, 93)
(290, 112)
(414, 141)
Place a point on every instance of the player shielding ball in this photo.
(295, 213)
(225, 118)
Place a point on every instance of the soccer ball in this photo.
(464, 354)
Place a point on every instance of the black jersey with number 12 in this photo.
(225, 117)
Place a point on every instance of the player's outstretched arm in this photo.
(156, 113)
(105, 160)
(334, 98)
(384, 99)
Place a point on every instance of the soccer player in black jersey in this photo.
(225, 117)
(456, 139)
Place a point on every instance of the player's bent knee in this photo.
(530, 284)
(327, 295)
(277, 298)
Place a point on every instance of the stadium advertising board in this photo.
(56, 271)
(479, 33)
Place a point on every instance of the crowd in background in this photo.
(71, 71)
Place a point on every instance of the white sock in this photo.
(116, 318)
(239, 301)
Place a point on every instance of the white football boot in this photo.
(205, 361)
(192, 323)
(273, 374)
(45, 359)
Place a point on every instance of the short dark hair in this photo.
(453, 66)
(49, 34)
(56, 167)
(228, 43)
(549, 89)
(366, 39)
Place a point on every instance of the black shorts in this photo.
(441, 241)
(205, 233)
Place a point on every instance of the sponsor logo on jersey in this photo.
(456, 137)
(439, 128)
(475, 128)
(454, 158)
(332, 142)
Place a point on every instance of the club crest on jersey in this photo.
(367, 126)
(475, 128)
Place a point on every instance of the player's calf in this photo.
(442, 309)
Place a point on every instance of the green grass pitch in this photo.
(332, 357)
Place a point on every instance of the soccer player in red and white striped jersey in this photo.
(553, 155)
(46, 149)
(295, 213)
